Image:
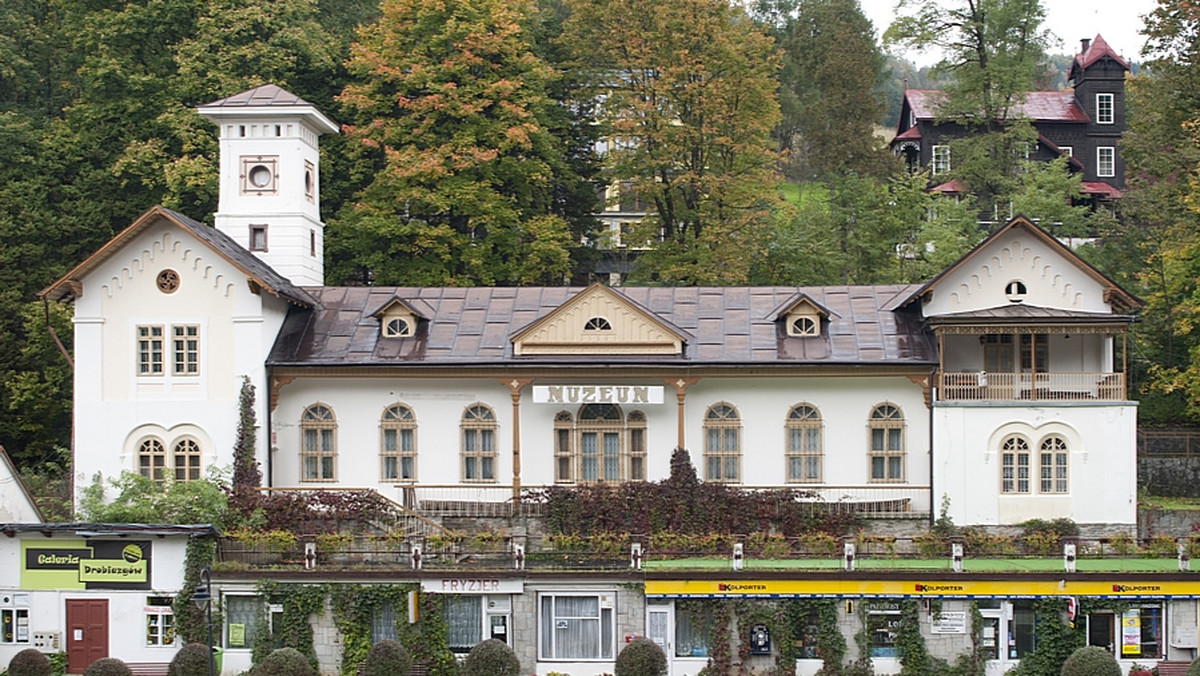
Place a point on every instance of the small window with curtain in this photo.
(463, 614)
(578, 627)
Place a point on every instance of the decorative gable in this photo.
(599, 321)
(397, 319)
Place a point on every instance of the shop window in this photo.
(693, 628)
(883, 620)
(464, 621)
(14, 625)
(383, 623)
(805, 638)
(243, 616)
(160, 621)
(1136, 633)
(576, 627)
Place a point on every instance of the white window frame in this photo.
(1106, 109)
(160, 622)
(14, 619)
(1106, 161)
(939, 159)
(605, 621)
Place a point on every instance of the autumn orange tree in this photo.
(685, 93)
(448, 102)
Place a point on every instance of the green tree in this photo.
(449, 105)
(830, 84)
(140, 500)
(686, 92)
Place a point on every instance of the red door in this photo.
(87, 633)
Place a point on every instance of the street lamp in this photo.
(202, 597)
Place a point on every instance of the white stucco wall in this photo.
(1102, 444)
(1050, 280)
(115, 408)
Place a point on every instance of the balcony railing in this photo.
(993, 386)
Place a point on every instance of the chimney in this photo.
(1083, 45)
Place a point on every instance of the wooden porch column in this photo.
(515, 386)
(680, 385)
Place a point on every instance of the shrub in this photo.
(284, 662)
(107, 666)
(30, 662)
(191, 660)
(491, 658)
(1194, 668)
(641, 657)
(1091, 661)
(387, 658)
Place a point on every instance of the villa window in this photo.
(722, 444)
(804, 444)
(318, 452)
(398, 444)
(152, 460)
(1105, 109)
(186, 460)
(886, 427)
(479, 444)
(600, 452)
(1052, 465)
(1014, 465)
(1106, 162)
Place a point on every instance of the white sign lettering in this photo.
(473, 585)
(598, 394)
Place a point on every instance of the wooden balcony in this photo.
(1049, 387)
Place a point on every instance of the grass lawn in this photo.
(1162, 502)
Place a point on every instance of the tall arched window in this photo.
(564, 448)
(1052, 463)
(1014, 465)
(478, 444)
(886, 455)
(152, 460)
(600, 452)
(804, 445)
(318, 450)
(398, 444)
(186, 458)
(722, 444)
(636, 422)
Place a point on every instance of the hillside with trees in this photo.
(479, 136)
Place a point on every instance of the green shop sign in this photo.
(85, 564)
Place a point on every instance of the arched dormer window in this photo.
(804, 326)
(397, 327)
(597, 324)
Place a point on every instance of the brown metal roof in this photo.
(1029, 313)
(727, 325)
(266, 95)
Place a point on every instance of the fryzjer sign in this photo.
(1098, 587)
(598, 394)
(473, 585)
(85, 564)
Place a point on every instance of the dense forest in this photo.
(478, 136)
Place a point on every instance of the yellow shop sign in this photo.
(924, 588)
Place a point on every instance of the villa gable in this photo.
(1022, 266)
(599, 321)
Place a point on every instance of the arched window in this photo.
(152, 460)
(722, 444)
(397, 327)
(600, 427)
(804, 326)
(1014, 465)
(597, 324)
(398, 444)
(636, 422)
(564, 453)
(318, 450)
(804, 444)
(478, 444)
(886, 427)
(186, 457)
(1052, 463)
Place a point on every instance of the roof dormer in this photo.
(599, 321)
(802, 316)
(398, 319)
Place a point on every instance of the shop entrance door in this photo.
(659, 628)
(87, 633)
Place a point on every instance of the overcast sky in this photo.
(1119, 21)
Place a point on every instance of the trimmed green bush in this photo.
(107, 666)
(1194, 668)
(284, 662)
(641, 657)
(1091, 661)
(191, 660)
(491, 658)
(30, 662)
(387, 658)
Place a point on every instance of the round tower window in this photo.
(168, 281)
(260, 176)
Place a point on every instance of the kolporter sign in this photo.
(1013, 588)
(85, 564)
